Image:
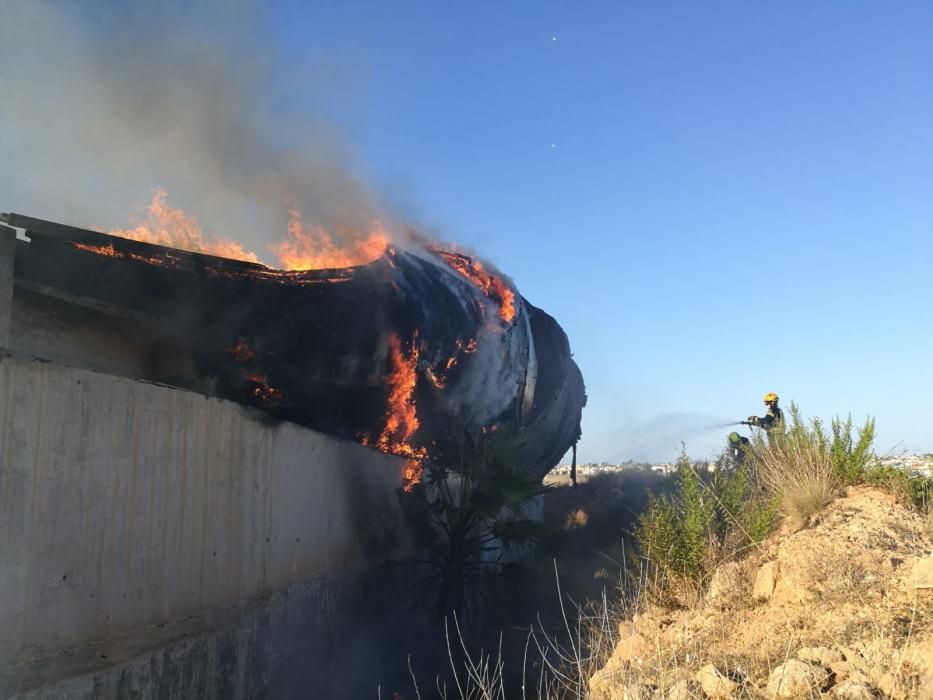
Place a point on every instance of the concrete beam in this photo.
(7, 260)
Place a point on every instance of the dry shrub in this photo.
(797, 465)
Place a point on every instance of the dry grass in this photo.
(843, 585)
(799, 469)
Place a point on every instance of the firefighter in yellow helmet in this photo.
(773, 418)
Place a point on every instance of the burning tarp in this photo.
(401, 353)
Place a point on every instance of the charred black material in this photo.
(314, 347)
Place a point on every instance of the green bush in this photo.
(759, 517)
(851, 456)
(795, 470)
(707, 518)
(909, 489)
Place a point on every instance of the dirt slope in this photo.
(842, 609)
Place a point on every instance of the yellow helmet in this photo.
(770, 396)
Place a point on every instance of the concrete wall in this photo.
(7, 257)
(50, 328)
(137, 521)
(38, 321)
(341, 637)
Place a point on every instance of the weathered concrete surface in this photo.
(134, 515)
(335, 638)
(38, 321)
(42, 326)
(7, 259)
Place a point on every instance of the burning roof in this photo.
(400, 353)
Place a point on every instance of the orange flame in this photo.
(111, 252)
(489, 284)
(261, 389)
(167, 226)
(411, 475)
(438, 380)
(304, 248)
(107, 250)
(241, 352)
(313, 248)
(402, 414)
(438, 377)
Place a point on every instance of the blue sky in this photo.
(714, 199)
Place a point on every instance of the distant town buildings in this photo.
(920, 465)
(585, 471)
(917, 464)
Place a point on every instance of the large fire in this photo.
(401, 412)
(309, 247)
(304, 248)
(313, 248)
(490, 285)
(167, 226)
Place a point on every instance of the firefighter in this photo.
(774, 418)
(738, 448)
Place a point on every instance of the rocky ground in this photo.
(840, 609)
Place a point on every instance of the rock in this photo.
(609, 682)
(725, 580)
(796, 679)
(919, 656)
(609, 686)
(714, 684)
(841, 669)
(890, 687)
(684, 690)
(602, 684)
(923, 573)
(848, 654)
(630, 691)
(926, 687)
(819, 655)
(852, 690)
(631, 644)
(765, 580)
(852, 668)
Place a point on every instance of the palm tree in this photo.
(472, 519)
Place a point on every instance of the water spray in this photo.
(719, 426)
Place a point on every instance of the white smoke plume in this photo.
(103, 102)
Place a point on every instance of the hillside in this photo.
(840, 609)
